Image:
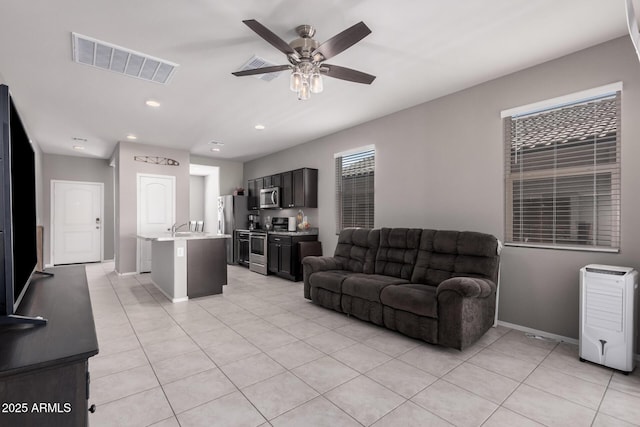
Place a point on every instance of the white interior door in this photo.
(77, 222)
(156, 212)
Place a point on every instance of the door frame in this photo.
(52, 222)
(139, 175)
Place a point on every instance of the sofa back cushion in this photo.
(357, 249)
(397, 252)
(445, 254)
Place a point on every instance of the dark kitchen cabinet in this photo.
(272, 181)
(242, 248)
(286, 195)
(254, 186)
(276, 180)
(284, 255)
(254, 197)
(300, 188)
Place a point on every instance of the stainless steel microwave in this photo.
(270, 198)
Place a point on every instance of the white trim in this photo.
(108, 260)
(566, 248)
(544, 334)
(169, 297)
(48, 265)
(354, 150)
(131, 273)
(52, 216)
(565, 99)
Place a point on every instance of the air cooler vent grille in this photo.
(107, 56)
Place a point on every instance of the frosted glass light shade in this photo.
(304, 93)
(295, 83)
(316, 85)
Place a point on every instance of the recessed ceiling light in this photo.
(215, 149)
(259, 127)
(220, 144)
(152, 103)
(78, 147)
(76, 138)
(131, 136)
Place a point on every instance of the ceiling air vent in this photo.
(257, 62)
(107, 56)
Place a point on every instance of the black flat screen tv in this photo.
(17, 211)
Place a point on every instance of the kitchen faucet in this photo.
(175, 227)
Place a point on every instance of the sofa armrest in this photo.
(466, 310)
(312, 264)
(469, 287)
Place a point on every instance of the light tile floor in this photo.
(262, 355)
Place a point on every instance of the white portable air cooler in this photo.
(608, 315)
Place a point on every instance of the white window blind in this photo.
(562, 176)
(355, 173)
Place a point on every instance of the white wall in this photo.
(230, 172)
(196, 197)
(211, 193)
(440, 165)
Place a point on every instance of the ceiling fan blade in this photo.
(270, 37)
(348, 74)
(341, 41)
(263, 70)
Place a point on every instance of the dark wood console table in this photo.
(44, 377)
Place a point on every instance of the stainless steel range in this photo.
(258, 251)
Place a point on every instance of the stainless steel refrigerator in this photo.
(232, 215)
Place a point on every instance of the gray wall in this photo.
(439, 165)
(70, 168)
(126, 194)
(230, 172)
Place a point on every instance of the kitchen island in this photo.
(188, 264)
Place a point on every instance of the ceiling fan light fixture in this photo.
(295, 84)
(304, 93)
(315, 82)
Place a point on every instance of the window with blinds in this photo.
(562, 176)
(355, 173)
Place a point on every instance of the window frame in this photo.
(511, 178)
(338, 186)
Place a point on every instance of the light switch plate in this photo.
(180, 252)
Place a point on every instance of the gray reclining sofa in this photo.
(437, 286)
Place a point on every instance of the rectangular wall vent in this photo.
(107, 56)
(257, 62)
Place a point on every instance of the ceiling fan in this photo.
(306, 57)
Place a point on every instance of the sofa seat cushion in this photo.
(330, 280)
(413, 298)
(368, 286)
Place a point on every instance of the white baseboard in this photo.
(546, 334)
(538, 332)
(169, 297)
(48, 265)
(131, 273)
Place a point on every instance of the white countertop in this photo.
(181, 235)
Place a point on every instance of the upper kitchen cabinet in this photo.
(272, 181)
(254, 186)
(300, 188)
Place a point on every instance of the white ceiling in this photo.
(419, 50)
